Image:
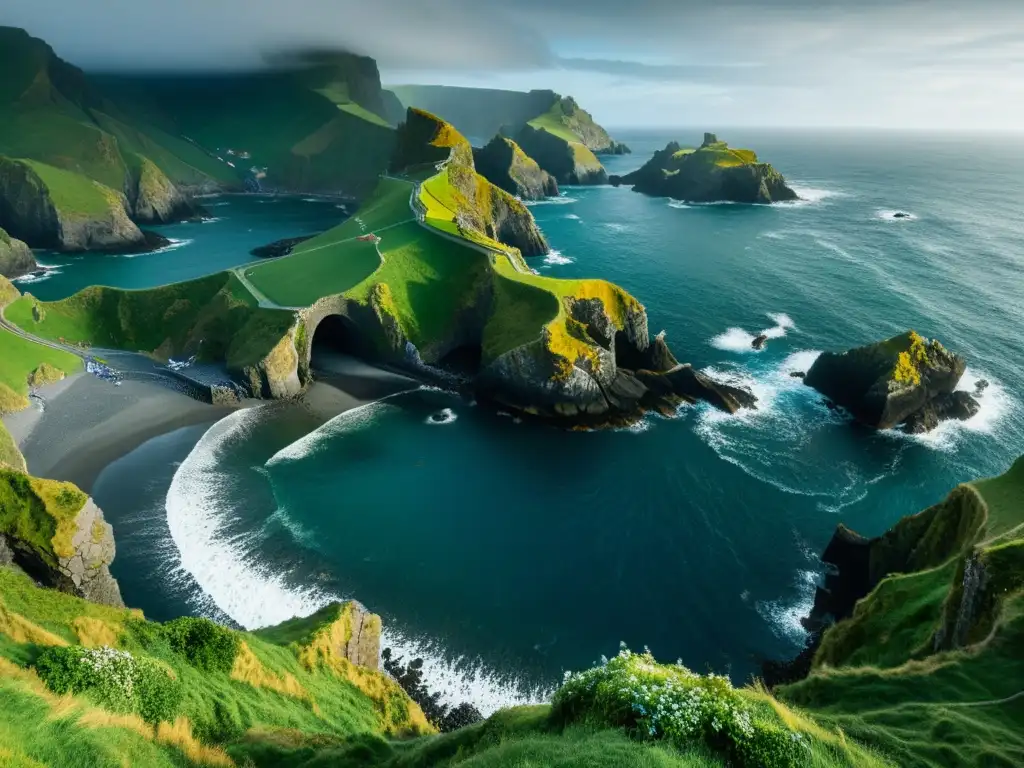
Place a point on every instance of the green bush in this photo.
(669, 702)
(207, 646)
(116, 679)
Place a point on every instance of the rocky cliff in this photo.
(64, 211)
(16, 258)
(713, 172)
(58, 536)
(568, 161)
(503, 163)
(155, 199)
(904, 380)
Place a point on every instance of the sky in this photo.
(937, 64)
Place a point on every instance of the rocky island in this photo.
(906, 380)
(714, 172)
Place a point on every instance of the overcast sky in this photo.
(944, 64)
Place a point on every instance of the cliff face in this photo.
(904, 380)
(567, 114)
(156, 200)
(569, 162)
(57, 535)
(16, 258)
(504, 164)
(714, 172)
(36, 212)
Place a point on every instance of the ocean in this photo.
(504, 553)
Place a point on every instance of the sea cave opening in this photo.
(464, 360)
(335, 341)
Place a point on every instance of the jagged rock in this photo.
(568, 162)
(78, 558)
(504, 164)
(16, 258)
(901, 215)
(798, 374)
(759, 341)
(692, 385)
(980, 387)
(714, 172)
(883, 384)
(955, 405)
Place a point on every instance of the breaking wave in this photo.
(444, 416)
(740, 340)
(228, 569)
(556, 257)
(560, 200)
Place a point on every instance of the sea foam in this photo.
(740, 340)
(560, 200)
(226, 568)
(557, 258)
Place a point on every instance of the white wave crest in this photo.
(199, 509)
(784, 615)
(560, 200)
(573, 217)
(556, 257)
(678, 204)
(357, 418)
(216, 205)
(46, 272)
(617, 227)
(213, 219)
(444, 416)
(740, 340)
(809, 196)
(996, 404)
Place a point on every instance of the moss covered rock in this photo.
(903, 380)
(45, 374)
(503, 163)
(58, 536)
(16, 257)
(155, 199)
(713, 172)
(570, 162)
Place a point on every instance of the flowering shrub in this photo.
(116, 679)
(671, 703)
(207, 646)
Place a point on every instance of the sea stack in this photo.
(906, 380)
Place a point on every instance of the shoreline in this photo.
(77, 427)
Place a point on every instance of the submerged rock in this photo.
(760, 341)
(279, 247)
(901, 215)
(903, 379)
(713, 172)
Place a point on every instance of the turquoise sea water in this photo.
(506, 553)
(236, 224)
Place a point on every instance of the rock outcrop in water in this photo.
(16, 257)
(714, 172)
(57, 535)
(155, 199)
(569, 162)
(905, 380)
(503, 163)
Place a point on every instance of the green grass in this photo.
(73, 193)
(335, 261)
(19, 357)
(167, 321)
(302, 278)
(9, 453)
(223, 708)
(878, 674)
